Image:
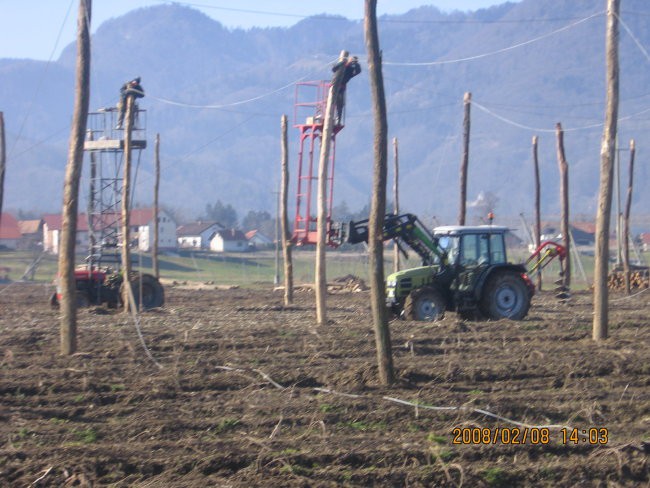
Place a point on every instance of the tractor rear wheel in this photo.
(505, 296)
(424, 304)
(153, 294)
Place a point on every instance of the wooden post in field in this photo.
(321, 244)
(538, 215)
(3, 161)
(68, 305)
(564, 204)
(626, 220)
(126, 205)
(378, 200)
(284, 216)
(156, 188)
(396, 263)
(92, 242)
(607, 149)
(467, 102)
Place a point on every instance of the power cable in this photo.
(40, 82)
(537, 129)
(232, 104)
(498, 51)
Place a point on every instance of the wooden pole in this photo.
(538, 215)
(396, 257)
(322, 224)
(92, 241)
(607, 150)
(626, 220)
(68, 306)
(126, 188)
(378, 200)
(3, 161)
(564, 203)
(284, 215)
(156, 188)
(467, 102)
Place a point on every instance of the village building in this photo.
(142, 223)
(197, 235)
(257, 240)
(229, 240)
(10, 235)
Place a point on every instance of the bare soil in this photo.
(251, 393)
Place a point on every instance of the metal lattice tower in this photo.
(309, 118)
(105, 146)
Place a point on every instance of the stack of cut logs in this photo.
(639, 278)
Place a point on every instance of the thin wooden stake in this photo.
(284, 216)
(564, 203)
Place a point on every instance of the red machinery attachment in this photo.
(309, 114)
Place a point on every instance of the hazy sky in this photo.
(40, 29)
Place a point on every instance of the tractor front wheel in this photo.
(505, 296)
(424, 304)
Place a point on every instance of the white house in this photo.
(142, 224)
(229, 240)
(52, 233)
(197, 235)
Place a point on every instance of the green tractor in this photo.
(464, 269)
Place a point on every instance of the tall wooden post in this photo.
(378, 200)
(626, 220)
(396, 263)
(126, 205)
(607, 149)
(538, 215)
(284, 216)
(92, 242)
(68, 325)
(3, 161)
(467, 102)
(321, 245)
(156, 188)
(564, 203)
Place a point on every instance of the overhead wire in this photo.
(40, 82)
(498, 51)
(235, 103)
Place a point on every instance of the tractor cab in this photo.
(471, 246)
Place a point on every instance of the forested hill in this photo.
(216, 97)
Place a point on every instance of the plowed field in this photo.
(242, 392)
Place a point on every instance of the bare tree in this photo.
(564, 204)
(467, 102)
(156, 188)
(538, 217)
(396, 263)
(284, 216)
(378, 201)
(68, 328)
(321, 244)
(607, 154)
(626, 220)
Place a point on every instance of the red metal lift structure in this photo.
(309, 119)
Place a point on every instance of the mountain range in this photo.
(216, 96)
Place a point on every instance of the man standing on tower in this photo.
(352, 68)
(132, 87)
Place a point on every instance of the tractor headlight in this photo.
(391, 284)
